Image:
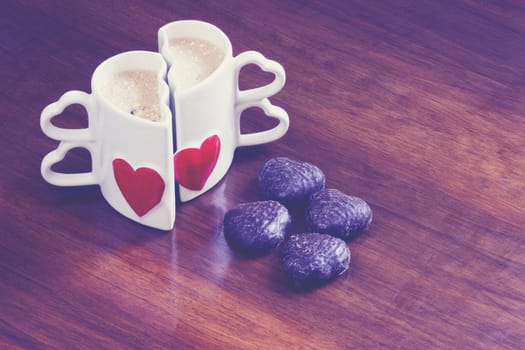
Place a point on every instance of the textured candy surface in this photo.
(288, 181)
(332, 212)
(312, 259)
(256, 228)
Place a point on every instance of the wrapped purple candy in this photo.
(332, 212)
(256, 228)
(312, 259)
(289, 181)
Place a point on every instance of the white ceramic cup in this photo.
(207, 115)
(131, 157)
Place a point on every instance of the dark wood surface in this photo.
(416, 106)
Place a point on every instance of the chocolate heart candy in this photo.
(289, 181)
(332, 212)
(256, 228)
(312, 259)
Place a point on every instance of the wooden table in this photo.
(416, 106)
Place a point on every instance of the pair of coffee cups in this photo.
(134, 160)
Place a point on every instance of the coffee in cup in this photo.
(134, 92)
(195, 59)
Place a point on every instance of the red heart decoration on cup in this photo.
(142, 188)
(193, 166)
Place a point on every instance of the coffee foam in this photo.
(193, 60)
(135, 92)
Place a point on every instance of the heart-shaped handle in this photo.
(270, 66)
(56, 108)
(258, 97)
(269, 135)
(61, 179)
(70, 138)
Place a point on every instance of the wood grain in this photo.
(416, 106)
